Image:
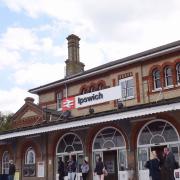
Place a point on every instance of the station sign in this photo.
(92, 98)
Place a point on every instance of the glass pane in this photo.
(170, 134)
(156, 127)
(168, 72)
(145, 137)
(157, 139)
(169, 81)
(122, 160)
(123, 84)
(130, 83)
(118, 140)
(61, 147)
(130, 92)
(69, 149)
(69, 139)
(98, 144)
(108, 138)
(157, 83)
(142, 157)
(108, 134)
(108, 144)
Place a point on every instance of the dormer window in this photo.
(168, 76)
(156, 79)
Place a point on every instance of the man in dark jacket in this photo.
(61, 170)
(12, 170)
(169, 163)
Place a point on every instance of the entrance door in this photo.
(110, 160)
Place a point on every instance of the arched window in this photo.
(156, 79)
(178, 72)
(109, 138)
(92, 89)
(168, 76)
(157, 132)
(84, 91)
(5, 163)
(30, 157)
(70, 143)
(100, 86)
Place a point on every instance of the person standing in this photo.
(12, 170)
(61, 170)
(99, 169)
(154, 166)
(85, 169)
(169, 163)
(72, 168)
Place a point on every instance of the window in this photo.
(70, 143)
(59, 100)
(84, 91)
(157, 132)
(30, 156)
(178, 72)
(127, 88)
(156, 79)
(5, 163)
(108, 138)
(92, 89)
(100, 86)
(168, 76)
(29, 168)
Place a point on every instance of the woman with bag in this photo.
(99, 169)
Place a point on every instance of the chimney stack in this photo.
(73, 64)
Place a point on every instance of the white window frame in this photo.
(155, 79)
(125, 80)
(168, 76)
(178, 73)
(5, 162)
(27, 156)
(59, 97)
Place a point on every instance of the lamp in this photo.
(119, 104)
(91, 110)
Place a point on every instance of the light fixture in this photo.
(91, 110)
(119, 104)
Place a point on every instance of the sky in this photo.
(33, 45)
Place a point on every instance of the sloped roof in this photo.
(116, 116)
(140, 57)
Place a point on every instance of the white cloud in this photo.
(39, 73)
(13, 99)
(8, 58)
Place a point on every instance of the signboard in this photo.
(40, 169)
(92, 98)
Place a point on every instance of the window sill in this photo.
(128, 98)
(157, 90)
(177, 85)
(169, 87)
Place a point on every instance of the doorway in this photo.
(110, 161)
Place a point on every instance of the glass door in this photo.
(143, 157)
(96, 156)
(174, 148)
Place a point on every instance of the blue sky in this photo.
(33, 45)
